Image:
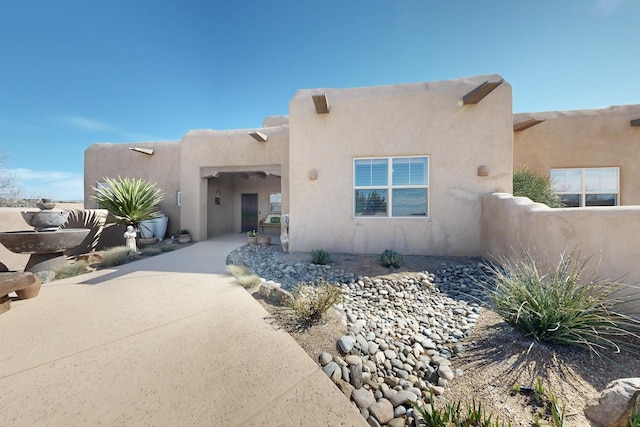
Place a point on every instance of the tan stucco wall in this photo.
(162, 168)
(583, 138)
(233, 150)
(612, 235)
(402, 120)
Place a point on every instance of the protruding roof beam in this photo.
(259, 136)
(146, 151)
(519, 127)
(635, 122)
(321, 103)
(480, 92)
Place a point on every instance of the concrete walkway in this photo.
(171, 340)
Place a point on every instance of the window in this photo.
(395, 186)
(275, 203)
(101, 186)
(587, 186)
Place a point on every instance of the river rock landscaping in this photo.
(401, 336)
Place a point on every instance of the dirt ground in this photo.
(498, 356)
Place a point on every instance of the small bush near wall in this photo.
(391, 258)
(320, 256)
(565, 305)
(536, 187)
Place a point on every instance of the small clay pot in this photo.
(264, 241)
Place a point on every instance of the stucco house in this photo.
(356, 170)
(591, 155)
(406, 167)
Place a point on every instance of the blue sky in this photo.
(78, 72)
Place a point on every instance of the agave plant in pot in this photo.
(252, 237)
(129, 201)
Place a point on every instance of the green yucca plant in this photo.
(129, 201)
(566, 305)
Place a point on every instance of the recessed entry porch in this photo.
(239, 198)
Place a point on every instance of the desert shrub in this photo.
(115, 256)
(391, 258)
(72, 269)
(166, 248)
(452, 414)
(566, 305)
(536, 187)
(320, 256)
(311, 301)
(150, 251)
(243, 276)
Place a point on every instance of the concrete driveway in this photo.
(166, 341)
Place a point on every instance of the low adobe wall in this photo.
(611, 234)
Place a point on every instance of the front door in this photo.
(249, 208)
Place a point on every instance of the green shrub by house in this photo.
(566, 305)
(536, 187)
(391, 258)
(321, 257)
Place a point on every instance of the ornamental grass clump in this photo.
(320, 257)
(566, 305)
(115, 256)
(243, 276)
(71, 269)
(311, 301)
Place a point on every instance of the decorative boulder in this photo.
(275, 293)
(613, 406)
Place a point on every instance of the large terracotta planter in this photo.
(252, 240)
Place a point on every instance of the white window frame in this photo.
(583, 190)
(390, 187)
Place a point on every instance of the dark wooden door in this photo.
(249, 207)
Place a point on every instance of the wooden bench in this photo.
(10, 282)
(273, 227)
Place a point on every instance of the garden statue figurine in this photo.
(130, 239)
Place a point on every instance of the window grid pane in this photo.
(398, 183)
(586, 186)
